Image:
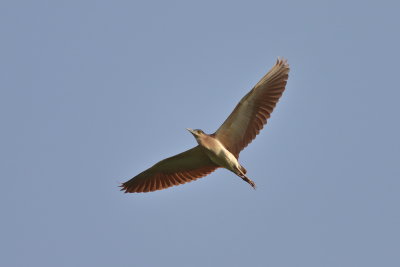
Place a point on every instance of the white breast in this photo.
(221, 156)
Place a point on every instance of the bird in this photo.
(222, 148)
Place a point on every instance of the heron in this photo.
(222, 148)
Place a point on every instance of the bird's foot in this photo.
(253, 184)
(249, 181)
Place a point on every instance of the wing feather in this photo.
(179, 169)
(253, 110)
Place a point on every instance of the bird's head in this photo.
(197, 133)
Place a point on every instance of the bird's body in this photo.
(218, 153)
(220, 149)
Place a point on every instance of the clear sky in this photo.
(94, 92)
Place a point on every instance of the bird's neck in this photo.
(208, 142)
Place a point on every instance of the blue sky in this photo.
(94, 92)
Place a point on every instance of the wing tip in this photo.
(281, 61)
(124, 188)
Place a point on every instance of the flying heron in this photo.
(220, 149)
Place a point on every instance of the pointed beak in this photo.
(191, 131)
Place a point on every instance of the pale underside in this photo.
(238, 130)
(218, 154)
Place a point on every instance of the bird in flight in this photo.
(220, 149)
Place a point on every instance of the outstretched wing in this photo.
(253, 110)
(179, 169)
